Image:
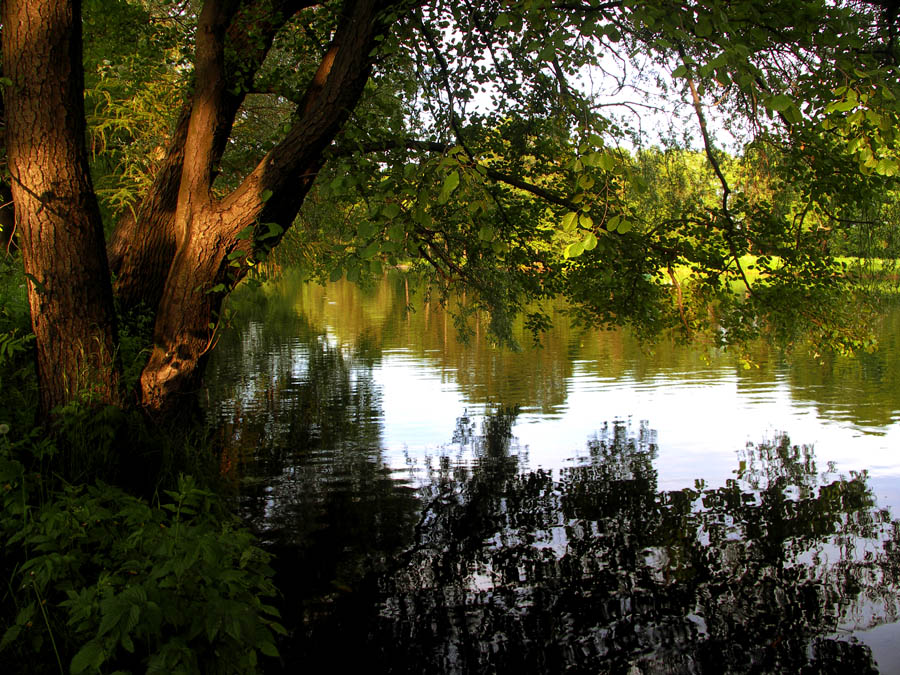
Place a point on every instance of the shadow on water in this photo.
(470, 561)
(486, 567)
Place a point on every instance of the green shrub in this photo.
(100, 581)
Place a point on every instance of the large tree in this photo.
(463, 135)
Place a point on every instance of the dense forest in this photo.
(719, 171)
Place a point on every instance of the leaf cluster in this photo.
(99, 580)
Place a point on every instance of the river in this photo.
(592, 505)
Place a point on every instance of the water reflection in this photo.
(469, 555)
(850, 408)
(599, 571)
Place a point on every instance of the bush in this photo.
(98, 580)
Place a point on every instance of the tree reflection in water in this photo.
(598, 571)
(487, 566)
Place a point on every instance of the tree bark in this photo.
(142, 248)
(206, 230)
(57, 216)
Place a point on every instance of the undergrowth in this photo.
(116, 553)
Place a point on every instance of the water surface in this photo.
(589, 506)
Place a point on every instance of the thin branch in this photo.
(493, 174)
(711, 156)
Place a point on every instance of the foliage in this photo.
(135, 67)
(97, 579)
(495, 149)
(17, 382)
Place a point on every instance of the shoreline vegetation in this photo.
(157, 154)
(100, 573)
(120, 548)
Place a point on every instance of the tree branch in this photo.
(442, 148)
(714, 162)
(286, 173)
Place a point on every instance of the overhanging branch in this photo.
(443, 148)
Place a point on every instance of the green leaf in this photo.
(91, 656)
(841, 106)
(607, 162)
(272, 230)
(887, 167)
(391, 211)
(585, 221)
(366, 229)
(793, 115)
(625, 226)
(589, 242)
(268, 649)
(265, 196)
(451, 182)
(10, 636)
(569, 221)
(486, 233)
(779, 102)
(370, 250)
(591, 159)
(127, 644)
(574, 250)
(704, 27)
(396, 231)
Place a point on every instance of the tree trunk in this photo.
(142, 248)
(57, 216)
(206, 230)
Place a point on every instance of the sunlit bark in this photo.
(205, 229)
(58, 219)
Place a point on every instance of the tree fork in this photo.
(207, 229)
(142, 247)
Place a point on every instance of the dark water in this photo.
(587, 507)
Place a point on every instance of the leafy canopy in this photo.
(503, 148)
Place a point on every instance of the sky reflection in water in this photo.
(456, 508)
